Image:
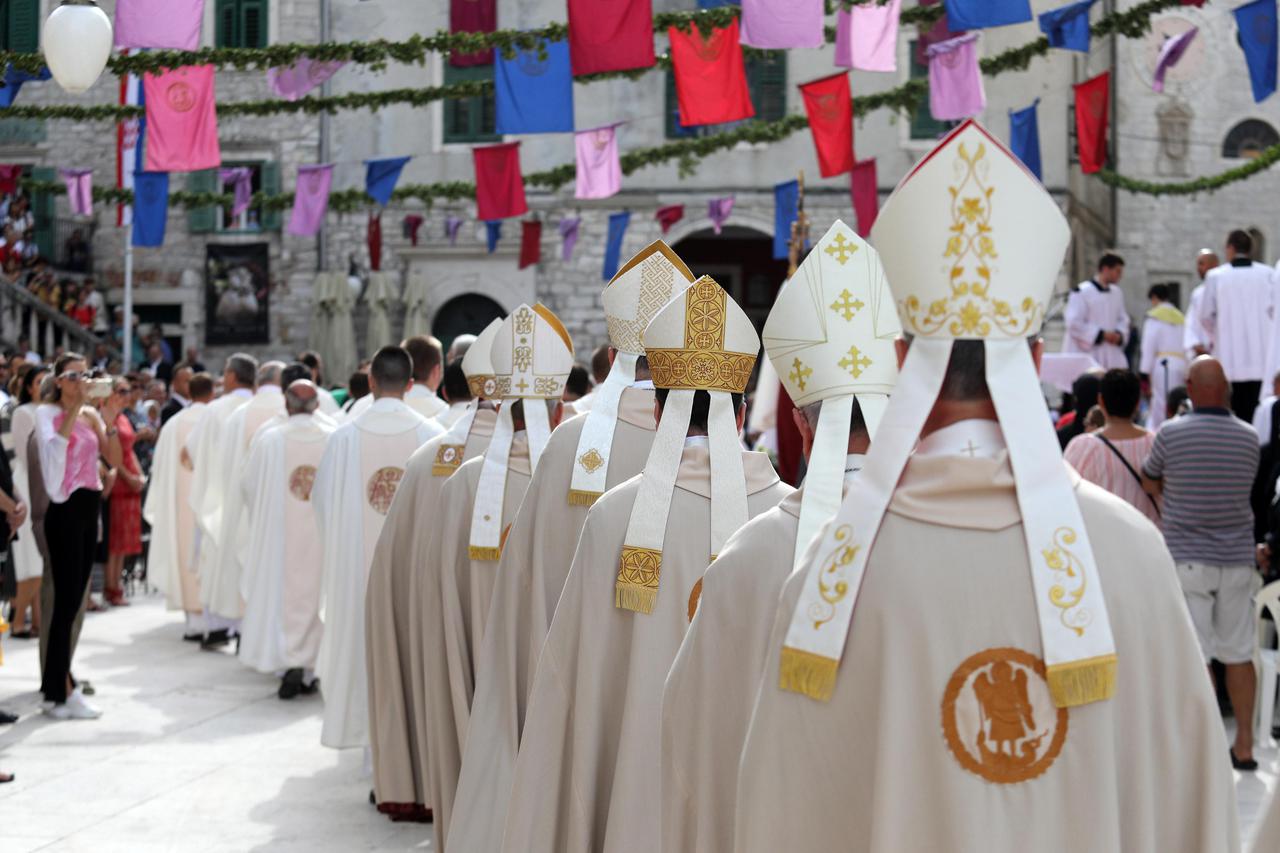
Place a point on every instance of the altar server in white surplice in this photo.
(428, 371)
(831, 333)
(1097, 322)
(1239, 310)
(586, 456)
(981, 651)
(1196, 339)
(280, 581)
(354, 486)
(1162, 357)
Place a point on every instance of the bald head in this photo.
(1207, 384)
(301, 397)
(459, 347)
(1206, 260)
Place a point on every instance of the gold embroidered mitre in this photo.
(532, 354)
(477, 364)
(702, 341)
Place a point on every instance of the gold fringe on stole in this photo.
(579, 497)
(1080, 682)
(638, 573)
(637, 598)
(479, 553)
(443, 470)
(809, 674)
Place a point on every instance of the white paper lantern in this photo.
(77, 44)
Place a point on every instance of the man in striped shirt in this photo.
(1204, 463)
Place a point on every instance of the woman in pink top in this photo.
(1112, 456)
(71, 436)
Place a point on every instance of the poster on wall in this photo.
(237, 286)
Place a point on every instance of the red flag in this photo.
(499, 184)
(1196, 3)
(182, 122)
(1092, 97)
(472, 16)
(865, 193)
(374, 238)
(669, 215)
(9, 179)
(711, 81)
(830, 109)
(610, 36)
(530, 243)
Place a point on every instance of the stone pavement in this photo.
(195, 753)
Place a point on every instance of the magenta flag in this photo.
(867, 36)
(955, 81)
(241, 180)
(311, 199)
(599, 170)
(167, 24)
(293, 81)
(182, 123)
(782, 23)
(1170, 52)
(568, 236)
(718, 210)
(79, 190)
(865, 193)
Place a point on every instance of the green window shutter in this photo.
(253, 23)
(44, 212)
(923, 124)
(22, 26)
(469, 119)
(767, 81)
(225, 24)
(202, 220)
(270, 173)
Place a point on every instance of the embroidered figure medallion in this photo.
(381, 488)
(301, 479)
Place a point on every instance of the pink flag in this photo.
(1170, 52)
(599, 170)
(293, 81)
(182, 123)
(865, 194)
(782, 23)
(718, 210)
(79, 190)
(867, 36)
(955, 81)
(170, 24)
(241, 180)
(311, 199)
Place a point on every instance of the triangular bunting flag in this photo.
(381, 177)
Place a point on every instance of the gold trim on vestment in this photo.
(807, 673)
(448, 459)
(1080, 682)
(483, 555)
(699, 370)
(638, 573)
(484, 385)
(580, 497)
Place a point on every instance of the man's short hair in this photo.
(857, 425)
(701, 406)
(243, 367)
(295, 404)
(1159, 291)
(454, 384)
(1241, 242)
(517, 409)
(201, 386)
(600, 363)
(269, 372)
(293, 372)
(1120, 391)
(578, 383)
(426, 354)
(1174, 400)
(391, 370)
(1110, 259)
(358, 384)
(459, 347)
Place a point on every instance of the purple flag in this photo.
(241, 180)
(782, 23)
(568, 236)
(171, 24)
(293, 81)
(955, 81)
(599, 170)
(718, 210)
(311, 199)
(867, 36)
(1170, 52)
(451, 226)
(79, 190)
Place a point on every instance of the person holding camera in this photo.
(71, 437)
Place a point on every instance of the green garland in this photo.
(1266, 158)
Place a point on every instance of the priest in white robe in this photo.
(1266, 838)
(1239, 310)
(532, 356)
(1196, 339)
(399, 778)
(980, 652)
(428, 371)
(587, 775)
(585, 457)
(1163, 360)
(171, 556)
(355, 483)
(1097, 322)
(836, 305)
(280, 580)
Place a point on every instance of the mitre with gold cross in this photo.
(972, 244)
(640, 289)
(532, 356)
(701, 341)
(830, 336)
(477, 366)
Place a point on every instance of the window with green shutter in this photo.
(766, 82)
(202, 220)
(270, 182)
(20, 25)
(44, 212)
(241, 23)
(264, 177)
(923, 124)
(469, 119)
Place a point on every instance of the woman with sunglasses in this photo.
(124, 532)
(71, 437)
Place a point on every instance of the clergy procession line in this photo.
(605, 625)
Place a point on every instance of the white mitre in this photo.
(972, 245)
(644, 284)
(830, 334)
(532, 356)
(477, 366)
(700, 341)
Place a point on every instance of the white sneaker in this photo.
(59, 711)
(79, 708)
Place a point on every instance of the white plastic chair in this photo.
(1266, 660)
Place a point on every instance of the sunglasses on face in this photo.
(73, 376)
(121, 391)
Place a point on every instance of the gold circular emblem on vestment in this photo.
(695, 597)
(999, 719)
(381, 489)
(301, 479)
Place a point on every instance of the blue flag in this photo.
(786, 209)
(150, 207)
(712, 4)
(533, 95)
(1024, 137)
(381, 177)
(618, 223)
(1068, 27)
(980, 14)
(1257, 24)
(13, 80)
(492, 233)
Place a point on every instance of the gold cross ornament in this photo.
(855, 362)
(841, 249)
(846, 305)
(800, 373)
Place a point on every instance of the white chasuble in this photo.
(420, 398)
(1238, 309)
(941, 733)
(204, 446)
(355, 484)
(535, 561)
(281, 578)
(171, 556)
(587, 775)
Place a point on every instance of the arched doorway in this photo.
(467, 314)
(741, 261)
